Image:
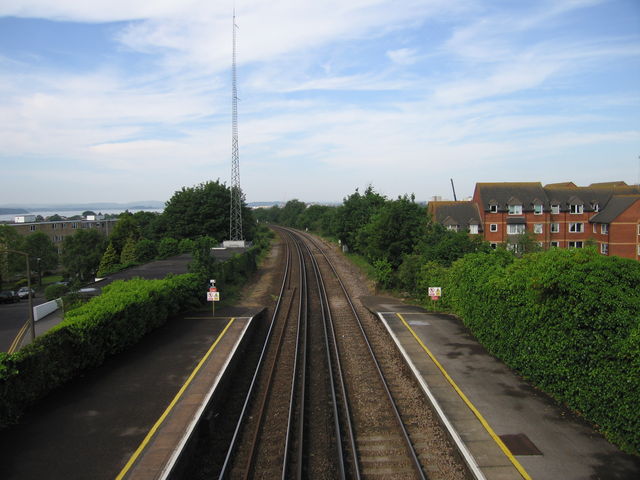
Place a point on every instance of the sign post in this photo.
(213, 296)
(435, 293)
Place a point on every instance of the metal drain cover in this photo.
(519, 444)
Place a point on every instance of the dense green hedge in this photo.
(108, 324)
(568, 320)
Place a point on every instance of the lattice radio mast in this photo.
(235, 221)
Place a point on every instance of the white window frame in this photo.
(538, 228)
(515, 209)
(516, 228)
(576, 244)
(493, 208)
(555, 209)
(493, 245)
(474, 229)
(604, 228)
(604, 248)
(576, 227)
(32, 228)
(538, 209)
(555, 227)
(493, 227)
(576, 209)
(596, 207)
(554, 244)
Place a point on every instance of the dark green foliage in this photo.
(10, 263)
(108, 262)
(146, 250)
(567, 320)
(44, 255)
(82, 252)
(126, 227)
(383, 270)
(392, 231)
(356, 212)
(54, 291)
(128, 253)
(444, 246)
(202, 210)
(186, 245)
(168, 247)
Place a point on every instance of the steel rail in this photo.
(409, 445)
(236, 434)
(327, 322)
(298, 363)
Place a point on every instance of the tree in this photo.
(128, 254)
(393, 231)
(168, 247)
(86, 213)
(445, 246)
(355, 212)
(43, 253)
(109, 260)
(125, 227)
(202, 210)
(10, 263)
(146, 250)
(291, 213)
(82, 252)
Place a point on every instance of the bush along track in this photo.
(567, 320)
(108, 324)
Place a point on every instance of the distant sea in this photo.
(71, 213)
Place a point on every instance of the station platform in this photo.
(126, 418)
(510, 429)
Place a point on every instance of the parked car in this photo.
(9, 296)
(24, 292)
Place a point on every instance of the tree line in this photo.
(193, 216)
(396, 237)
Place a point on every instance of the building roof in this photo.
(503, 194)
(462, 214)
(615, 206)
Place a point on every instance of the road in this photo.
(12, 317)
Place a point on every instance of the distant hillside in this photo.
(12, 211)
(141, 205)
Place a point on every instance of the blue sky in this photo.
(127, 101)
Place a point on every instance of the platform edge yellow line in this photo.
(167, 411)
(471, 406)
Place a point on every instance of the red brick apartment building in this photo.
(559, 215)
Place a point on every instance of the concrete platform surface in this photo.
(546, 440)
(92, 426)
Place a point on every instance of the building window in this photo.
(595, 206)
(473, 229)
(493, 245)
(493, 208)
(576, 209)
(493, 227)
(604, 228)
(515, 209)
(604, 248)
(515, 229)
(576, 227)
(575, 244)
(555, 209)
(554, 244)
(53, 226)
(32, 228)
(555, 228)
(537, 228)
(537, 209)
(74, 225)
(453, 228)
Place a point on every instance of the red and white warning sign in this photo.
(435, 292)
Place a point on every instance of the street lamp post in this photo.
(31, 319)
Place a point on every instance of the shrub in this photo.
(168, 247)
(54, 291)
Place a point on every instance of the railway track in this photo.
(320, 404)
